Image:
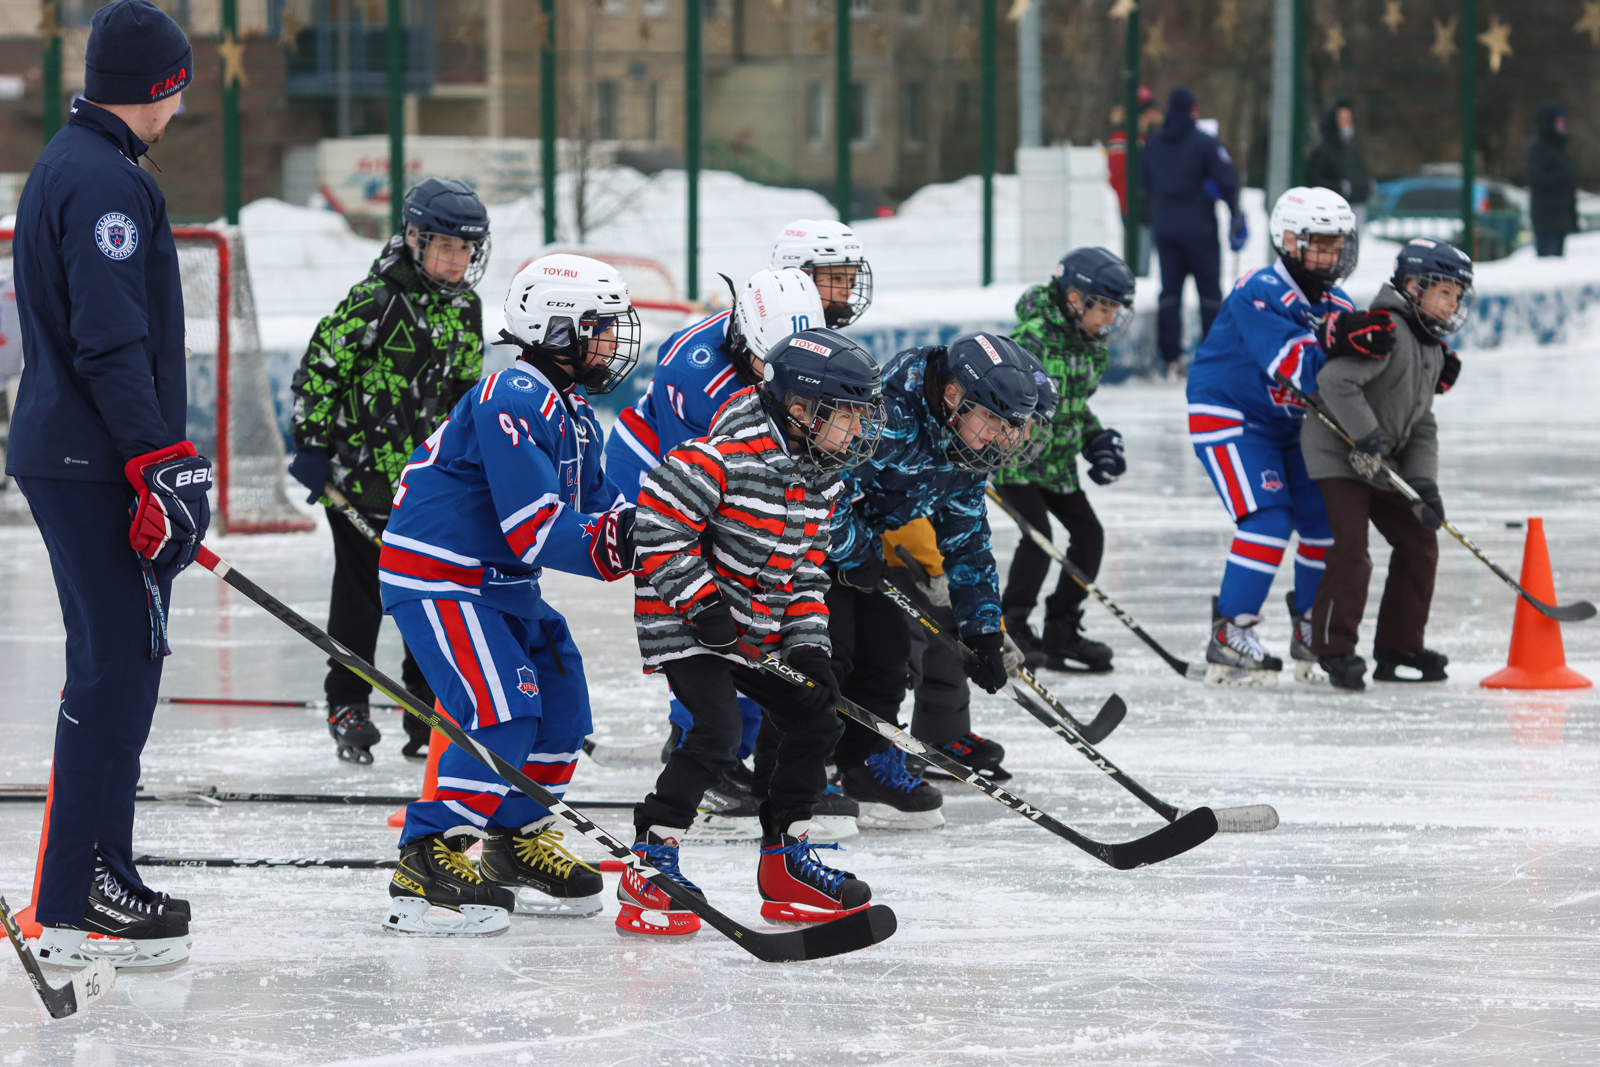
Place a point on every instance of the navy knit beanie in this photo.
(136, 55)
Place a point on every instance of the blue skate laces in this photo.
(890, 769)
(664, 858)
(811, 869)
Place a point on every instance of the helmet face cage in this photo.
(600, 379)
(1041, 424)
(1000, 453)
(859, 298)
(1432, 323)
(1121, 318)
(1348, 254)
(469, 278)
(823, 416)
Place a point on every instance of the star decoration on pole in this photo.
(1155, 44)
(1444, 39)
(232, 53)
(1393, 16)
(1590, 22)
(1019, 10)
(1497, 39)
(289, 37)
(1334, 42)
(1227, 19)
(49, 21)
(1121, 9)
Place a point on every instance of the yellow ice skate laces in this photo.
(456, 862)
(544, 851)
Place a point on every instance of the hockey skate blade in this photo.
(634, 921)
(1308, 671)
(76, 949)
(1249, 819)
(784, 913)
(712, 829)
(827, 829)
(1221, 676)
(533, 902)
(888, 817)
(409, 915)
(362, 757)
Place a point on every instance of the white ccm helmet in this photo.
(812, 243)
(772, 305)
(1304, 211)
(562, 303)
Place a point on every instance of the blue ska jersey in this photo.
(1265, 325)
(694, 378)
(509, 484)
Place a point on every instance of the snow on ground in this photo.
(1431, 896)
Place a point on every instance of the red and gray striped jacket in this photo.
(738, 495)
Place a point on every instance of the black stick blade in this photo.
(1579, 611)
(1174, 839)
(855, 931)
(1109, 718)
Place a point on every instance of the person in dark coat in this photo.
(1336, 163)
(1174, 169)
(1552, 181)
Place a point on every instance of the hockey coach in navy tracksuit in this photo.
(97, 447)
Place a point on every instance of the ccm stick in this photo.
(86, 987)
(846, 934)
(1192, 671)
(1174, 839)
(1577, 611)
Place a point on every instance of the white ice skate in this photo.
(1235, 658)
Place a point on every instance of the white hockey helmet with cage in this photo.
(812, 243)
(561, 301)
(772, 305)
(1305, 211)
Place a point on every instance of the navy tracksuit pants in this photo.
(1181, 255)
(110, 692)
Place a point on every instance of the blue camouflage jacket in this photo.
(907, 478)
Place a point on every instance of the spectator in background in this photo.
(1336, 163)
(1117, 162)
(1553, 182)
(1175, 168)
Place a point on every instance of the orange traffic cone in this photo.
(430, 771)
(1537, 660)
(25, 920)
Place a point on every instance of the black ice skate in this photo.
(890, 796)
(727, 810)
(798, 888)
(979, 753)
(533, 859)
(1067, 649)
(1305, 660)
(418, 736)
(1235, 657)
(434, 872)
(1426, 662)
(645, 910)
(1345, 671)
(1032, 652)
(120, 924)
(833, 818)
(353, 731)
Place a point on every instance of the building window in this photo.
(607, 111)
(653, 111)
(816, 112)
(717, 9)
(861, 9)
(614, 7)
(912, 10)
(863, 114)
(913, 118)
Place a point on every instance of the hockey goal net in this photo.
(233, 416)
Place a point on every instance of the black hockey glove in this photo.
(1104, 452)
(1367, 456)
(867, 575)
(311, 469)
(1452, 371)
(1431, 510)
(714, 626)
(814, 662)
(611, 543)
(1367, 334)
(987, 668)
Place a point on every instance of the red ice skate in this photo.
(798, 888)
(646, 910)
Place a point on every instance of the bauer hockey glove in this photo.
(1104, 452)
(714, 626)
(1431, 511)
(1451, 371)
(1367, 456)
(171, 513)
(987, 668)
(815, 663)
(1367, 334)
(311, 469)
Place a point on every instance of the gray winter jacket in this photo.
(1393, 396)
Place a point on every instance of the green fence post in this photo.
(50, 24)
(547, 117)
(842, 181)
(1297, 156)
(1130, 108)
(988, 146)
(1469, 121)
(395, 39)
(692, 139)
(232, 55)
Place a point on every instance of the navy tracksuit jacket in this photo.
(101, 311)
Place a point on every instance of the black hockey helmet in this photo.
(1430, 261)
(1041, 425)
(998, 398)
(446, 207)
(832, 376)
(1097, 276)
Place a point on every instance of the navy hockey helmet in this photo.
(990, 421)
(838, 383)
(1041, 425)
(1098, 277)
(1428, 262)
(440, 207)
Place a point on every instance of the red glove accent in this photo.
(1451, 371)
(611, 543)
(1369, 334)
(151, 528)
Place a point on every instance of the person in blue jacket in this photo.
(509, 484)
(97, 440)
(1287, 318)
(1183, 172)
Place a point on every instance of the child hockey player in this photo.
(831, 254)
(381, 372)
(509, 484)
(1386, 404)
(954, 415)
(1068, 323)
(731, 534)
(1246, 429)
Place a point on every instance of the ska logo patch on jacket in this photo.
(527, 682)
(116, 235)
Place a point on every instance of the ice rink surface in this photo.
(1431, 897)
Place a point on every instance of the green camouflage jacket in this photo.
(1076, 363)
(380, 374)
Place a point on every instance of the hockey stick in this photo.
(86, 986)
(1192, 671)
(1577, 611)
(848, 933)
(210, 793)
(1251, 818)
(1111, 712)
(228, 702)
(604, 866)
(355, 517)
(1171, 840)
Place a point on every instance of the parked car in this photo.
(1429, 205)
